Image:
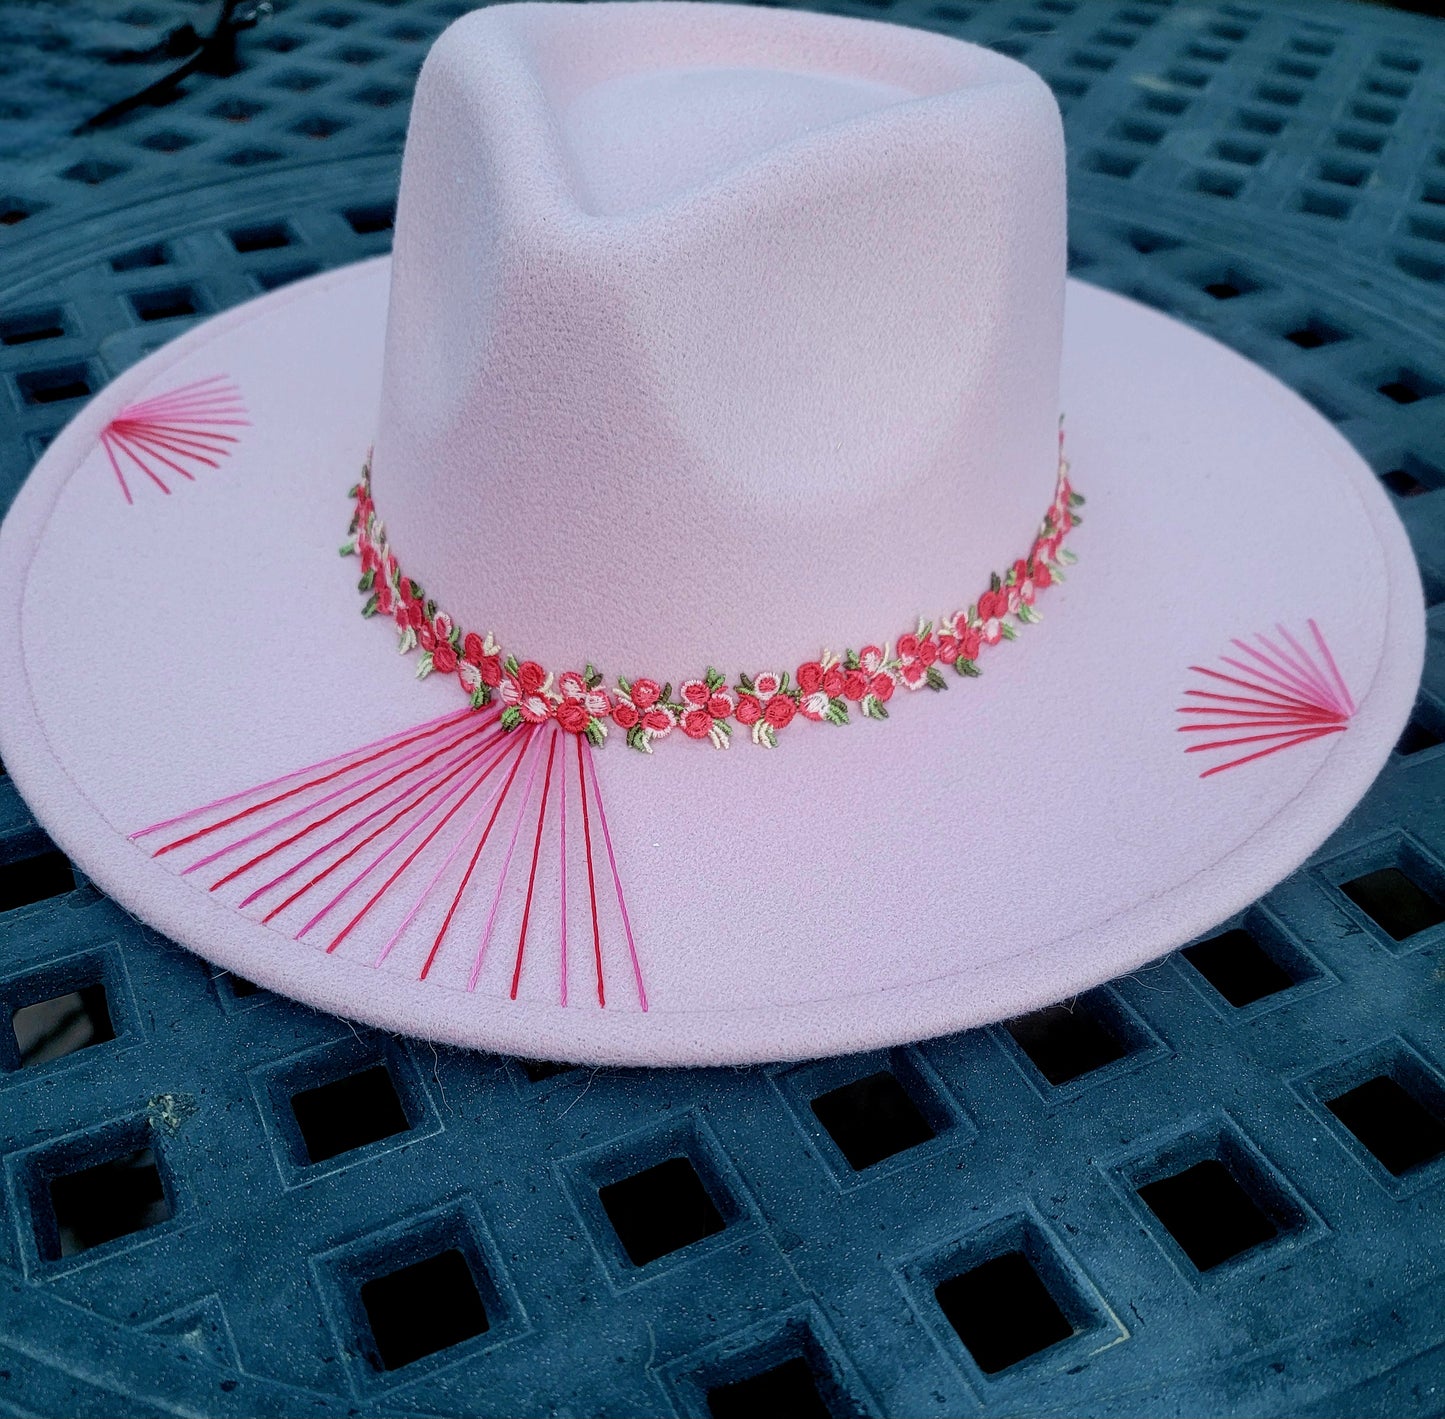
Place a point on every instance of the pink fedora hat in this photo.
(723, 350)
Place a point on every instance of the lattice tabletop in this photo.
(1214, 1186)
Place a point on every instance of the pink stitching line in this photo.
(185, 422)
(435, 769)
(562, 869)
(1292, 701)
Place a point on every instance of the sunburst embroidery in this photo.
(437, 814)
(1293, 696)
(180, 431)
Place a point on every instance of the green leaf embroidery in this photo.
(511, 718)
(370, 608)
(935, 679)
(637, 739)
(967, 667)
(424, 666)
(1009, 634)
(348, 549)
(596, 731)
(481, 696)
(367, 582)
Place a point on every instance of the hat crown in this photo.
(717, 334)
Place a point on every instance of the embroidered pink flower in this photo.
(766, 705)
(641, 713)
(645, 693)
(572, 716)
(521, 693)
(916, 656)
(659, 721)
(821, 689)
(707, 705)
(779, 711)
(878, 688)
(992, 605)
(488, 665)
(584, 704)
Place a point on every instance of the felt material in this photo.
(761, 289)
(985, 851)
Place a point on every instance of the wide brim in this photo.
(984, 852)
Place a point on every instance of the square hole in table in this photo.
(1238, 967)
(1341, 173)
(660, 1210)
(1252, 121)
(789, 1389)
(349, 1113)
(1396, 1127)
(1408, 387)
(378, 217)
(100, 1202)
(32, 327)
(1002, 1311)
(1314, 334)
(423, 1308)
(1334, 205)
(62, 1024)
(1228, 285)
(872, 1119)
(1358, 140)
(54, 386)
(1234, 150)
(170, 304)
(1395, 902)
(1208, 1212)
(265, 236)
(1417, 735)
(1065, 1042)
(1404, 484)
(14, 210)
(33, 879)
(140, 257)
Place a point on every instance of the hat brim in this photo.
(985, 852)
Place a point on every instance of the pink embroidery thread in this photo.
(187, 424)
(387, 807)
(825, 689)
(1292, 700)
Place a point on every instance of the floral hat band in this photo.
(825, 690)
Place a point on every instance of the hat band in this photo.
(824, 690)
